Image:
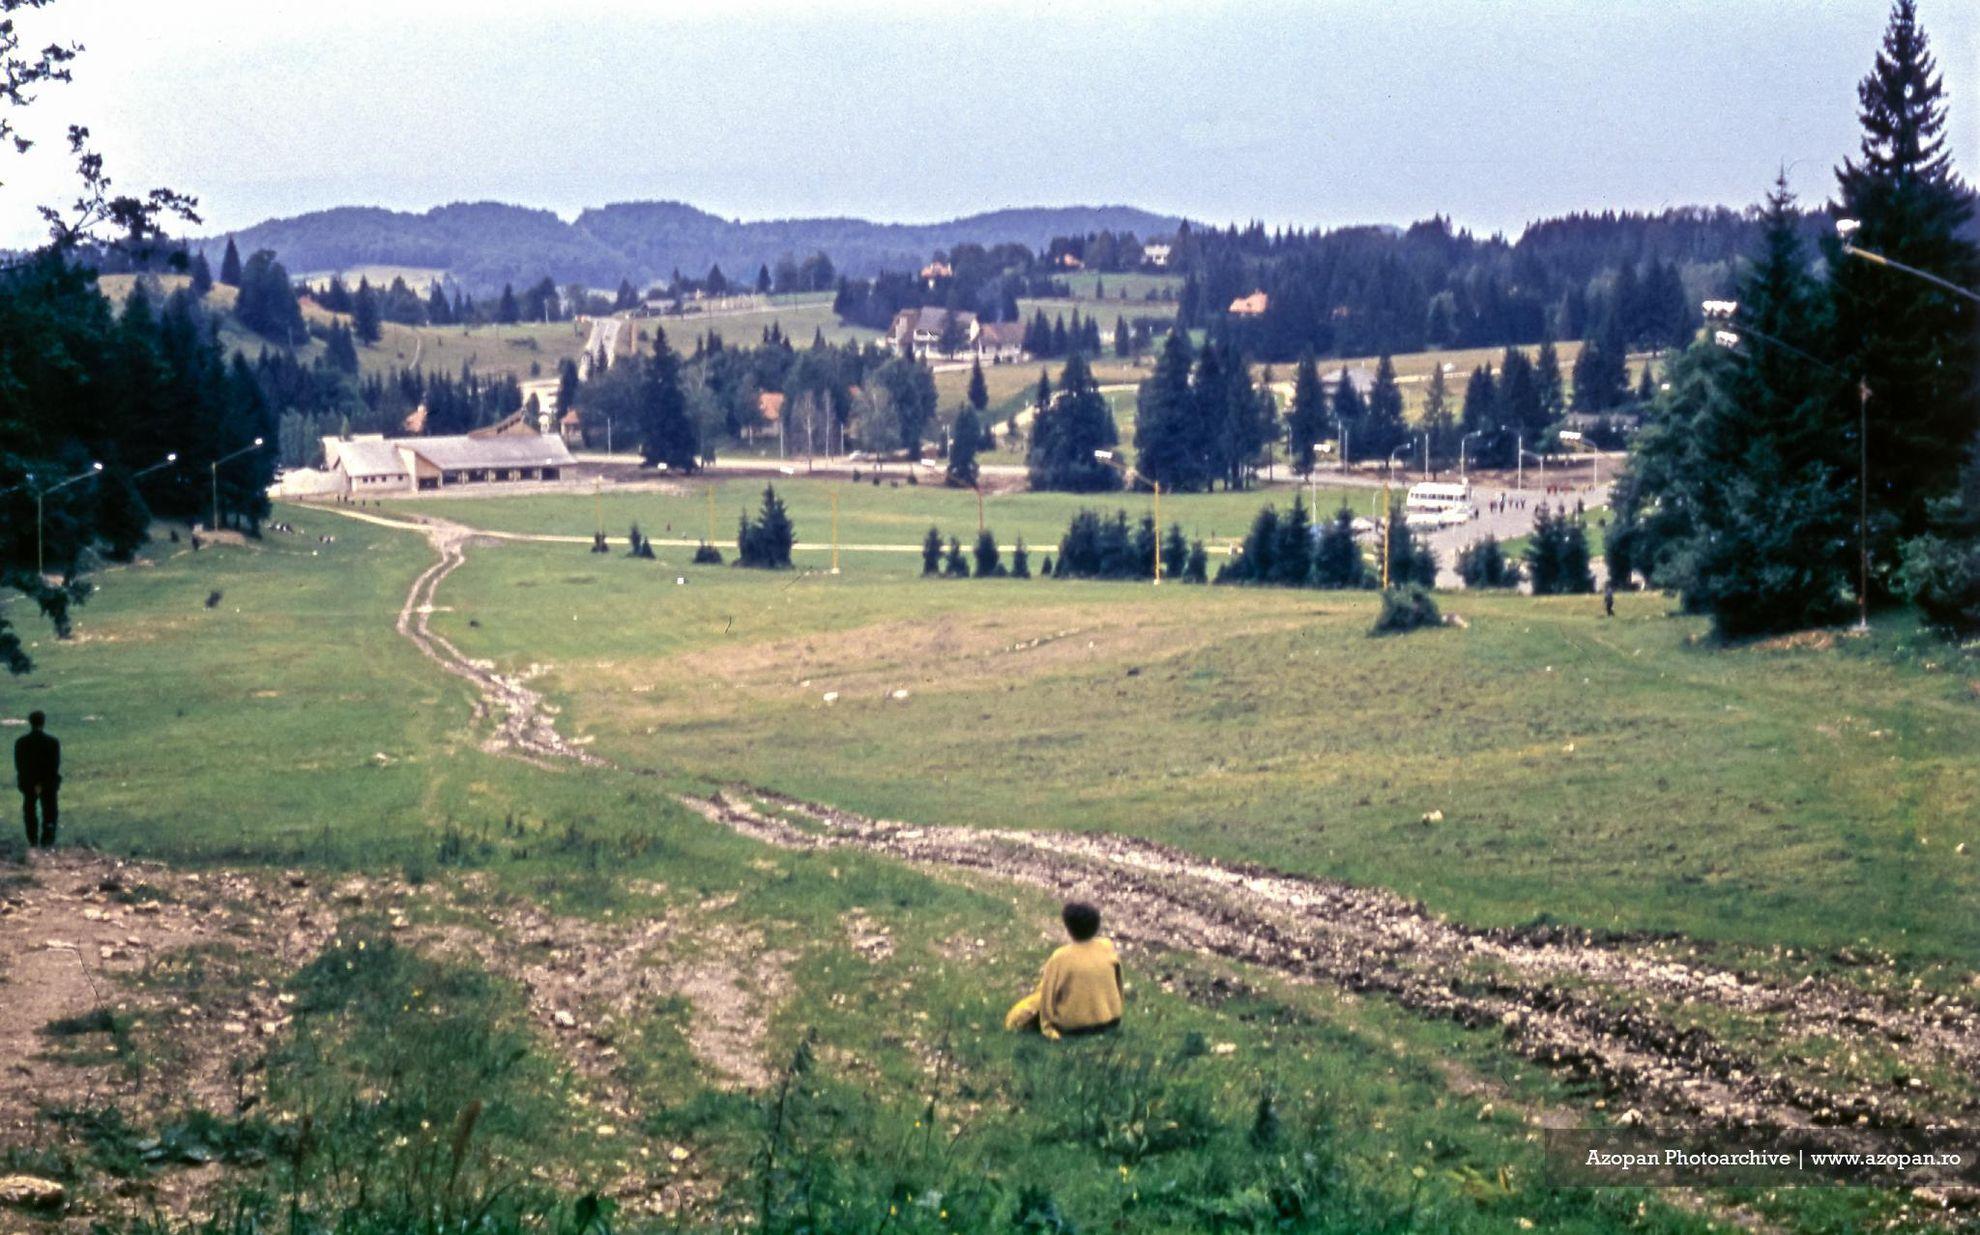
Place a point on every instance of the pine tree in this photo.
(1765, 468)
(1292, 557)
(507, 311)
(931, 553)
(1349, 412)
(340, 350)
(979, 393)
(1020, 560)
(763, 280)
(438, 310)
(1601, 372)
(230, 265)
(1382, 426)
(667, 431)
(1165, 445)
(1337, 560)
(957, 566)
(1552, 389)
(989, 561)
(1438, 422)
(1198, 569)
(1065, 436)
(1916, 346)
(968, 439)
(202, 275)
(1123, 338)
(766, 542)
(1175, 552)
(364, 314)
(1309, 415)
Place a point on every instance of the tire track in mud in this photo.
(1541, 987)
(522, 724)
(1566, 998)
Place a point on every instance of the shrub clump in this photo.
(1406, 608)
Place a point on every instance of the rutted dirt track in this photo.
(1592, 1007)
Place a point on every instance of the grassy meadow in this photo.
(1616, 774)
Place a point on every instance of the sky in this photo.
(1319, 114)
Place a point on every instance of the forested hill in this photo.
(483, 245)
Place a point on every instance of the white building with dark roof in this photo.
(376, 464)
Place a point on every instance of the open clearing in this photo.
(1724, 884)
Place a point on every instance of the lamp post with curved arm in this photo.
(170, 458)
(1462, 478)
(215, 465)
(40, 509)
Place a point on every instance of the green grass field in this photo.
(1616, 774)
(892, 513)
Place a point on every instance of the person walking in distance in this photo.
(38, 770)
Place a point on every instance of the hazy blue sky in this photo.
(1385, 111)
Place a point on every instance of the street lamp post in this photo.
(215, 467)
(1520, 463)
(1462, 478)
(167, 461)
(1845, 228)
(1388, 510)
(40, 510)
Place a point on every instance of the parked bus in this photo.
(1432, 504)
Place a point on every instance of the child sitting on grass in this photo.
(1080, 992)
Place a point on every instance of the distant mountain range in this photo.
(483, 245)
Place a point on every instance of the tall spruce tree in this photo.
(1308, 420)
(1766, 470)
(1165, 439)
(1383, 428)
(979, 393)
(1349, 412)
(667, 431)
(1916, 346)
(364, 313)
(230, 265)
(1066, 435)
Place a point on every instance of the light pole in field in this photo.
(215, 466)
(1462, 478)
(1111, 460)
(1388, 510)
(1737, 332)
(40, 510)
(1523, 454)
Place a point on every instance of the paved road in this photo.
(603, 340)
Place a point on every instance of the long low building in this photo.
(372, 463)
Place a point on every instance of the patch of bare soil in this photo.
(587, 981)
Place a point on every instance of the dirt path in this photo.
(1599, 1009)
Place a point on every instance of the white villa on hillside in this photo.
(991, 342)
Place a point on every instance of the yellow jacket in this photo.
(1081, 988)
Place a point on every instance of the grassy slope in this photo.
(1611, 773)
(249, 732)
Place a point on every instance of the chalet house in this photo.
(998, 342)
(1157, 255)
(924, 327)
(937, 270)
(1250, 306)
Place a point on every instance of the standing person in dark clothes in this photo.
(38, 769)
